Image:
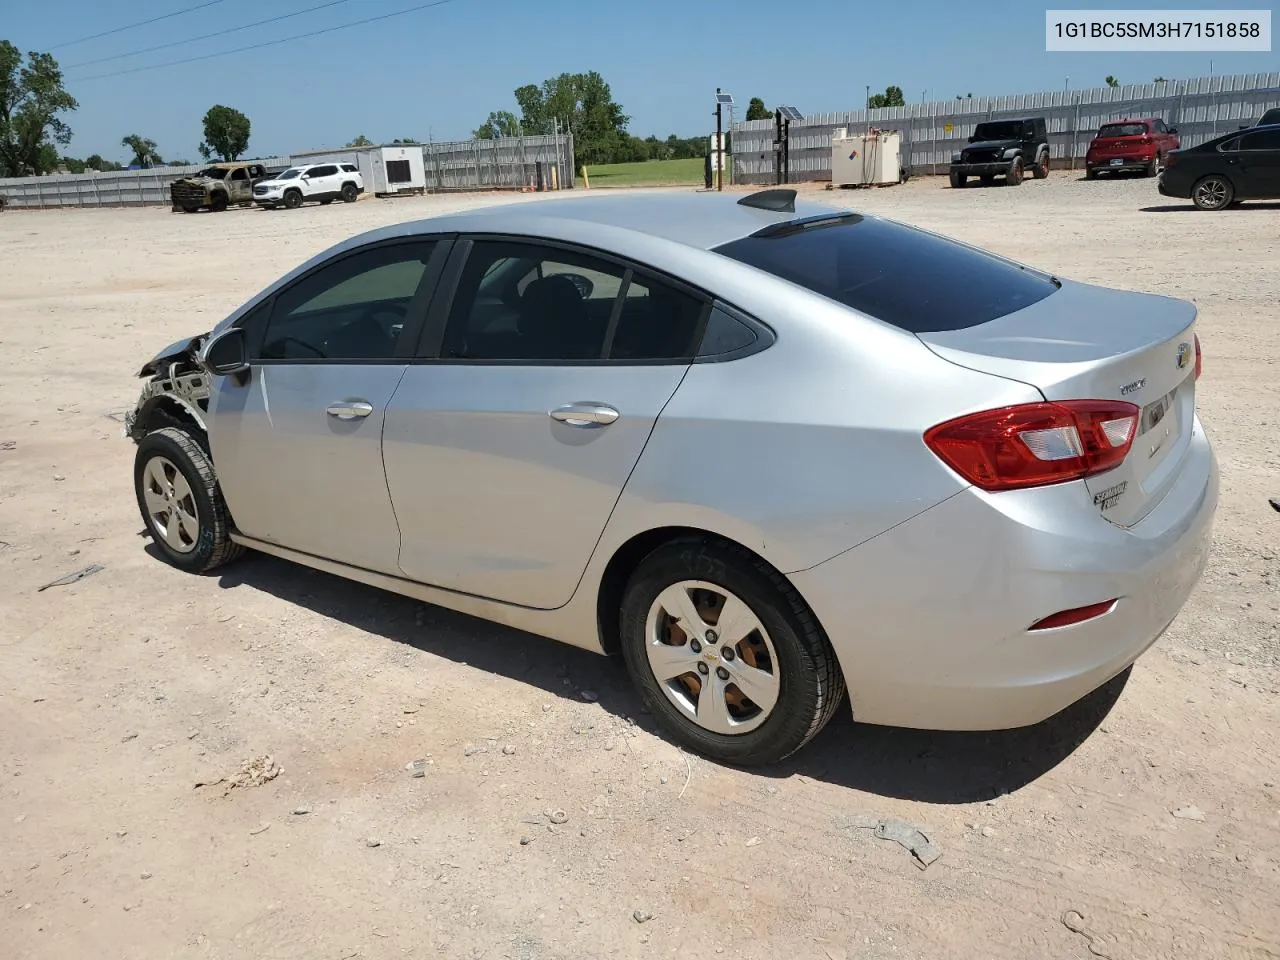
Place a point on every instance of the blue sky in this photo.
(438, 72)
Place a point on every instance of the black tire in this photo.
(292, 199)
(1214, 192)
(1090, 173)
(218, 202)
(811, 686)
(212, 546)
(1014, 177)
(349, 193)
(1041, 169)
(1153, 168)
(958, 180)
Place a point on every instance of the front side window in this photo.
(525, 302)
(352, 309)
(240, 173)
(1262, 140)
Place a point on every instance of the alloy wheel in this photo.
(1212, 193)
(712, 657)
(171, 508)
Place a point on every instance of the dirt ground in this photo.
(552, 822)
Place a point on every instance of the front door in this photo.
(298, 445)
(506, 455)
(238, 187)
(1259, 159)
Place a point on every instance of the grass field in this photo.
(647, 173)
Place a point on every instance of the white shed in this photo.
(393, 168)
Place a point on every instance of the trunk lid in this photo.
(1092, 343)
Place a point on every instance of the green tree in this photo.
(73, 165)
(584, 103)
(501, 123)
(144, 151)
(756, 110)
(32, 98)
(967, 96)
(1160, 80)
(95, 162)
(892, 97)
(361, 141)
(226, 134)
(1111, 81)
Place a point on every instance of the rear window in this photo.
(1123, 130)
(916, 281)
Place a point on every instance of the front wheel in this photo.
(726, 653)
(1214, 192)
(1014, 177)
(181, 502)
(349, 193)
(292, 200)
(218, 203)
(958, 179)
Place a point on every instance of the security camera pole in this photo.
(719, 140)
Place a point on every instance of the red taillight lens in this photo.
(1034, 444)
(1067, 618)
(1199, 359)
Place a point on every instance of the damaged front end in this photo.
(176, 392)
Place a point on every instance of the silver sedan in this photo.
(768, 451)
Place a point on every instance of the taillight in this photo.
(1170, 159)
(1034, 444)
(1199, 360)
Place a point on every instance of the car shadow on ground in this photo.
(936, 767)
(1189, 207)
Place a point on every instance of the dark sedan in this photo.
(1244, 165)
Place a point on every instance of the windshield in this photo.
(218, 173)
(998, 130)
(1123, 130)
(289, 174)
(874, 266)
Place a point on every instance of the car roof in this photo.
(1107, 123)
(698, 220)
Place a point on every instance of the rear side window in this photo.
(349, 167)
(916, 281)
(1262, 140)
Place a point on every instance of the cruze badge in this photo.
(1184, 354)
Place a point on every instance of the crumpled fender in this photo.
(177, 350)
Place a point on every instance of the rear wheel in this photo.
(1091, 173)
(1153, 168)
(958, 179)
(1014, 177)
(726, 653)
(1214, 192)
(349, 193)
(1041, 169)
(292, 199)
(180, 501)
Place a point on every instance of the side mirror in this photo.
(1173, 130)
(226, 355)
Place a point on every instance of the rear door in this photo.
(508, 445)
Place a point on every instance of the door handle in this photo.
(585, 414)
(349, 409)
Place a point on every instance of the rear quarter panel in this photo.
(808, 448)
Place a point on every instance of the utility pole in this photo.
(719, 141)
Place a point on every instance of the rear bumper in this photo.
(1126, 164)
(929, 620)
(981, 169)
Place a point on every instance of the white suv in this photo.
(324, 182)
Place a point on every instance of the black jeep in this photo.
(1006, 148)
